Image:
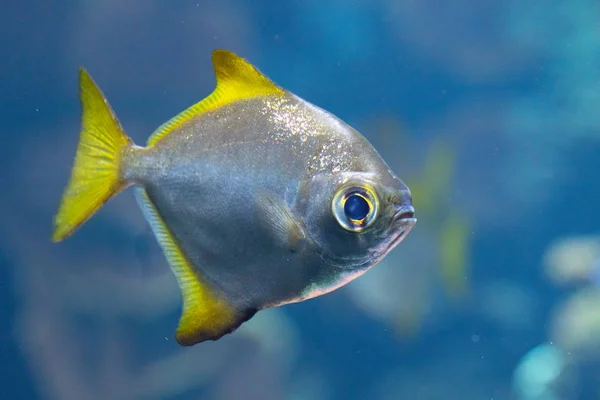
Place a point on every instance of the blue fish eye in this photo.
(356, 207)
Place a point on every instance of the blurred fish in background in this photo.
(557, 368)
(405, 291)
(573, 262)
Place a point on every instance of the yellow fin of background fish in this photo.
(432, 191)
(454, 243)
(237, 79)
(96, 172)
(205, 315)
(434, 182)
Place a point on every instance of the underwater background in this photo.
(488, 110)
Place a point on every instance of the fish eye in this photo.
(355, 208)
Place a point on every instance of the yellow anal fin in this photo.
(205, 315)
(237, 79)
(96, 174)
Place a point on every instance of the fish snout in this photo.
(403, 221)
(405, 213)
(403, 207)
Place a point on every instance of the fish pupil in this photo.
(356, 207)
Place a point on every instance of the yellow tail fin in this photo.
(96, 174)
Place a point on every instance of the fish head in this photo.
(356, 218)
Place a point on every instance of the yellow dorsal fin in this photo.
(237, 79)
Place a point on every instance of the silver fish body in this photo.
(207, 180)
(252, 196)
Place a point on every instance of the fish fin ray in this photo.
(205, 314)
(237, 79)
(280, 220)
(96, 173)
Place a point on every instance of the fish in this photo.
(256, 197)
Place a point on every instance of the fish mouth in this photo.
(405, 216)
(403, 221)
(401, 224)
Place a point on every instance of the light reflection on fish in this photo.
(257, 197)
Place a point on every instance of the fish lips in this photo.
(404, 220)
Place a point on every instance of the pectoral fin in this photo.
(207, 314)
(280, 221)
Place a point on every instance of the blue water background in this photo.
(509, 86)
